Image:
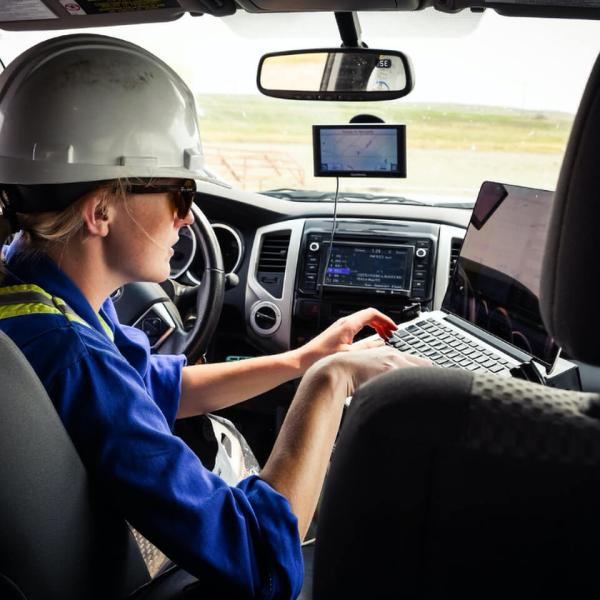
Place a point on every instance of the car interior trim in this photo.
(256, 293)
(190, 258)
(289, 209)
(442, 272)
(239, 242)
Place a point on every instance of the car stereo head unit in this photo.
(370, 267)
(365, 261)
(359, 150)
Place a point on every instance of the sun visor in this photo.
(77, 14)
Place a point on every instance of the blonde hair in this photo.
(46, 231)
(49, 230)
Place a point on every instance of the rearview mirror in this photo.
(355, 74)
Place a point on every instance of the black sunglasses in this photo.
(182, 194)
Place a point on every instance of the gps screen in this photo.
(359, 151)
(369, 267)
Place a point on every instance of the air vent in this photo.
(265, 318)
(272, 260)
(455, 246)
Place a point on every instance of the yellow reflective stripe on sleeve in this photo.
(107, 328)
(37, 301)
(31, 308)
(73, 316)
(25, 287)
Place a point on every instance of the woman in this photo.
(98, 152)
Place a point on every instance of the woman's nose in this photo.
(187, 220)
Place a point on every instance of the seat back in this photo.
(484, 487)
(57, 540)
(446, 484)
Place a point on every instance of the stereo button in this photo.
(421, 253)
(314, 246)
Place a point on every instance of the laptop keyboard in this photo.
(446, 347)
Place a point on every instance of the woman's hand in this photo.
(339, 336)
(298, 462)
(356, 368)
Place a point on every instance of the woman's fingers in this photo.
(417, 360)
(375, 319)
(368, 343)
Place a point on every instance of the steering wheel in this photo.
(148, 307)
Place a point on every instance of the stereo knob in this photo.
(421, 253)
(314, 246)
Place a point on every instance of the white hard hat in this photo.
(87, 108)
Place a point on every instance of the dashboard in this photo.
(293, 282)
(373, 262)
(187, 263)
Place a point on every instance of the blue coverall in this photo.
(118, 403)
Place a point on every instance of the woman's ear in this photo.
(96, 216)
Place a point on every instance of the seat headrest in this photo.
(571, 271)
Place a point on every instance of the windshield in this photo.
(494, 98)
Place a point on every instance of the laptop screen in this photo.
(496, 281)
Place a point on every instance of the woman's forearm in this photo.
(297, 465)
(206, 388)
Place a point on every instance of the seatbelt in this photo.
(28, 299)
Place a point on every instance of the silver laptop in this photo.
(490, 318)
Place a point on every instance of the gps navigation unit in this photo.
(359, 150)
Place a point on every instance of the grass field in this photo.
(257, 119)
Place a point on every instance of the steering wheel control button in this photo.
(153, 326)
(265, 318)
(157, 324)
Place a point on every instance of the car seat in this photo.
(446, 484)
(58, 537)
(56, 541)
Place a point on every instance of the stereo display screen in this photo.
(374, 267)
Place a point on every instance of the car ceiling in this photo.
(72, 14)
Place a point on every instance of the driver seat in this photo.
(59, 539)
(446, 484)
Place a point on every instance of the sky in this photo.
(468, 58)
